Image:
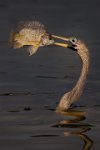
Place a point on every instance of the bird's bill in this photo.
(61, 44)
(60, 37)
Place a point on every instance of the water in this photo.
(30, 87)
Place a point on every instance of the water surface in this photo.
(30, 87)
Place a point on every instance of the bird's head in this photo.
(71, 43)
(76, 45)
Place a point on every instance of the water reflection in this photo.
(76, 124)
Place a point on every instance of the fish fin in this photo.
(32, 50)
(30, 25)
(12, 37)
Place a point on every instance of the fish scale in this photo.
(33, 34)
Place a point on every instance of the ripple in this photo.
(45, 135)
(24, 93)
(72, 125)
(52, 77)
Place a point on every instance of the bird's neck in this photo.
(78, 88)
(73, 95)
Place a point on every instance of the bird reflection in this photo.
(79, 128)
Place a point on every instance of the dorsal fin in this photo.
(30, 25)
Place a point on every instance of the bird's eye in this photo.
(73, 40)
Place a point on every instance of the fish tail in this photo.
(12, 38)
(13, 42)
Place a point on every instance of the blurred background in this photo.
(33, 83)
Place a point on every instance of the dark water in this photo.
(30, 87)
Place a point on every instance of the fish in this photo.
(33, 34)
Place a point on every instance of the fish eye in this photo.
(73, 40)
(50, 37)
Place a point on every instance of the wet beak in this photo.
(61, 38)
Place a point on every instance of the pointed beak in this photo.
(61, 38)
(68, 43)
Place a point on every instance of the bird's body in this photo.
(32, 34)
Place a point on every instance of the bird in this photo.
(31, 33)
(34, 34)
(81, 49)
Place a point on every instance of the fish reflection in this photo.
(76, 124)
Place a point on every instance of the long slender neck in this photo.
(78, 88)
(75, 93)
